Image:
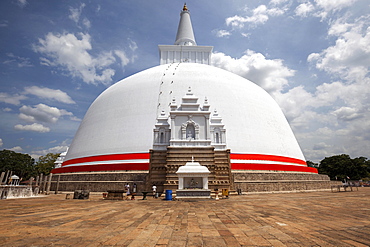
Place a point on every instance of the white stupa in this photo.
(184, 102)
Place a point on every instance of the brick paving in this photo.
(292, 219)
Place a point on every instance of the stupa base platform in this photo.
(246, 181)
(99, 181)
(270, 181)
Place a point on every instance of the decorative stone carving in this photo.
(218, 132)
(161, 133)
(190, 122)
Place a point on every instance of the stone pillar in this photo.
(36, 190)
(205, 183)
(172, 127)
(2, 177)
(37, 181)
(49, 183)
(40, 182)
(31, 182)
(181, 183)
(44, 183)
(6, 177)
(207, 132)
(57, 187)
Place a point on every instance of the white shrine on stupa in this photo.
(193, 181)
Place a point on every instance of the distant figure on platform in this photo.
(134, 189)
(127, 187)
(154, 189)
(133, 192)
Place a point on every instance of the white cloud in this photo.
(294, 101)
(343, 108)
(349, 58)
(86, 23)
(11, 99)
(259, 15)
(7, 109)
(47, 93)
(321, 145)
(75, 15)
(20, 61)
(36, 127)
(346, 113)
(71, 52)
(303, 9)
(330, 5)
(278, 2)
(1, 142)
(269, 74)
(341, 105)
(16, 149)
(324, 8)
(247, 35)
(4, 23)
(132, 45)
(339, 27)
(42, 113)
(123, 57)
(222, 33)
(22, 3)
(57, 149)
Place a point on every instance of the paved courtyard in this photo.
(292, 219)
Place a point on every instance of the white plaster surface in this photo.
(122, 118)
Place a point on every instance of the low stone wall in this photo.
(245, 180)
(271, 176)
(99, 181)
(279, 181)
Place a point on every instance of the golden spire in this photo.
(185, 8)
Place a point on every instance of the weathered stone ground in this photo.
(293, 219)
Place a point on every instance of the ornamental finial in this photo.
(185, 8)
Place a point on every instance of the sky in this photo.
(312, 56)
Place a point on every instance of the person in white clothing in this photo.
(154, 189)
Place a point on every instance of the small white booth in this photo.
(193, 181)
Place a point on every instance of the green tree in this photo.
(46, 163)
(342, 166)
(22, 165)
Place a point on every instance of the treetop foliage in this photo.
(21, 164)
(24, 166)
(341, 167)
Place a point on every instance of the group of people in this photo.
(128, 192)
(134, 190)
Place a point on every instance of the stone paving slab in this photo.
(291, 219)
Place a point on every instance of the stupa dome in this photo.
(117, 130)
(152, 121)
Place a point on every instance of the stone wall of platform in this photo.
(279, 181)
(246, 181)
(98, 181)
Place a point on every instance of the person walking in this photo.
(133, 192)
(154, 189)
(127, 187)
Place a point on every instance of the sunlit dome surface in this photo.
(119, 124)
